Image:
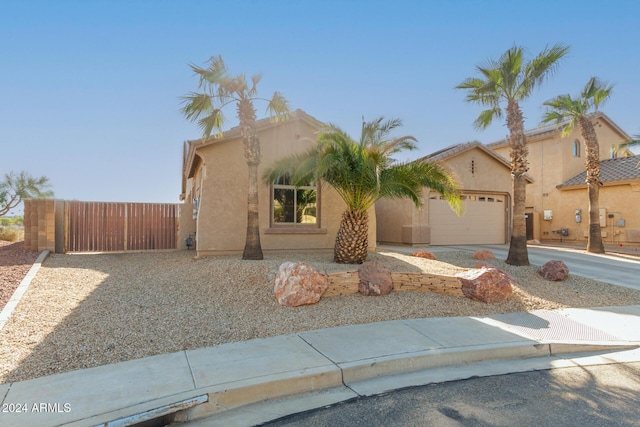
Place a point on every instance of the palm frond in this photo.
(596, 92)
(486, 117)
(213, 121)
(543, 66)
(196, 104)
(278, 107)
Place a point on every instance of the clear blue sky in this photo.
(89, 90)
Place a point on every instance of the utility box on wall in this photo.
(547, 215)
(603, 217)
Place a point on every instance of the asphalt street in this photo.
(604, 395)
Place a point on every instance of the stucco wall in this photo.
(395, 216)
(621, 201)
(222, 219)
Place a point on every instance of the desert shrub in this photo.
(11, 234)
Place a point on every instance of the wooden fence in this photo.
(108, 227)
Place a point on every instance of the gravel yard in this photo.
(88, 310)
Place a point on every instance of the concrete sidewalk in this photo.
(251, 382)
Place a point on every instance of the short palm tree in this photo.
(511, 80)
(219, 90)
(623, 149)
(361, 173)
(571, 112)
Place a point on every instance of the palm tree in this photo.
(623, 149)
(361, 173)
(569, 111)
(219, 89)
(511, 80)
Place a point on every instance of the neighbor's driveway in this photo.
(606, 268)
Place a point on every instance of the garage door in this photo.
(483, 221)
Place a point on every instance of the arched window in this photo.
(576, 148)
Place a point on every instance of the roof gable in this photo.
(457, 149)
(611, 171)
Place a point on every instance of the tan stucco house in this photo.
(215, 182)
(557, 201)
(485, 180)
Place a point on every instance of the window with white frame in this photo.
(291, 205)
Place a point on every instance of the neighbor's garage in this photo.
(483, 222)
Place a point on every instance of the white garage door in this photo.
(483, 221)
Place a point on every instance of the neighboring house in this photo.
(619, 202)
(215, 182)
(485, 180)
(557, 200)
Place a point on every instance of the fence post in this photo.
(126, 227)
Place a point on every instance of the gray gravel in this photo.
(88, 310)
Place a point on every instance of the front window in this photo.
(576, 148)
(294, 205)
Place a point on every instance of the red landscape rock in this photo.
(299, 283)
(554, 270)
(487, 284)
(484, 254)
(424, 254)
(375, 279)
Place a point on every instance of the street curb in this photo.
(333, 383)
(375, 377)
(21, 289)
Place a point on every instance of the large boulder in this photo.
(484, 254)
(424, 254)
(299, 283)
(554, 270)
(375, 279)
(486, 284)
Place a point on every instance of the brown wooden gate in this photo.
(110, 227)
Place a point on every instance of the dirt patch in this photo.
(15, 263)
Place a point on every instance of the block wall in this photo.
(39, 225)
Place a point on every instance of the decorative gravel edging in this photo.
(21, 289)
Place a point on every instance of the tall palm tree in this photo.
(572, 112)
(219, 89)
(511, 80)
(362, 172)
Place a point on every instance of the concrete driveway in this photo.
(607, 268)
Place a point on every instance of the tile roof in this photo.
(623, 168)
(451, 150)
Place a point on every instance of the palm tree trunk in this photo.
(352, 239)
(518, 254)
(247, 116)
(592, 166)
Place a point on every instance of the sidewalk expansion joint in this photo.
(193, 378)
